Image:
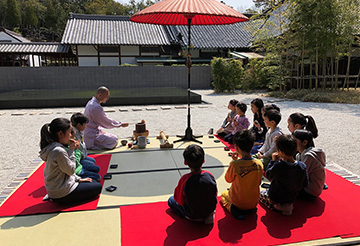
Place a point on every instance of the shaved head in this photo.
(102, 94)
(101, 90)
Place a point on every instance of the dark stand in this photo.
(188, 132)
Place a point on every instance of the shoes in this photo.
(285, 209)
(237, 213)
(47, 198)
(210, 219)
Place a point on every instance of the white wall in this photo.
(109, 61)
(128, 60)
(88, 61)
(130, 50)
(87, 50)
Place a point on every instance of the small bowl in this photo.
(123, 142)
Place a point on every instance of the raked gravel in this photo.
(338, 124)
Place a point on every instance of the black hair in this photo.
(48, 133)
(79, 118)
(233, 102)
(258, 102)
(303, 135)
(242, 107)
(194, 156)
(274, 115)
(287, 144)
(268, 107)
(244, 139)
(306, 122)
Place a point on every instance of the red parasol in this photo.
(188, 12)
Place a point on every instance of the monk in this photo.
(94, 136)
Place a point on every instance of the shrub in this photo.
(320, 95)
(226, 74)
(254, 77)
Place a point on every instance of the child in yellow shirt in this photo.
(244, 174)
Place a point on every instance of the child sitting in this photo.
(259, 128)
(226, 126)
(84, 170)
(315, 163)
(272, 118)
(300, 121)
(62, 184)
(79, 121)
(245, 175)
(287, 177)
(195, 195)
(241, 121)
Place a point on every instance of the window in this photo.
(109, 48)
(150, 49)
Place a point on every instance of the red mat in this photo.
(336, 213)
(27, 199)
(231, 146)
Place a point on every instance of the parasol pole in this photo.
(188, 132)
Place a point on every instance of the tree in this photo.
(347, 31)
(30, 18)
(50, 15)
(268, 4)
(134, 7)
(227, 75)
(2, 12)
(12, 16)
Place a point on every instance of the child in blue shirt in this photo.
(287, 176)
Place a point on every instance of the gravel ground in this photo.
(338, 126)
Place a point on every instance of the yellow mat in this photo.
(100, 227)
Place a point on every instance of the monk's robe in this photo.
(94, 136)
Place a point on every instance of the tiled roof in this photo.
(111, 30)
(34, 48)
(238, 35)
(15, 35)
(119, 30)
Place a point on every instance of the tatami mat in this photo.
(151, 176)
(145, 160)
(137, 188)
(100, 227)
(207, 142)
(214, 157)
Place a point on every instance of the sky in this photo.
(239, 5)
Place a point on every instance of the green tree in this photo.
(254, 76)
(50, 16)
(2, 12)
(347, 32)
(134, 7)
(227, 74)
(12, 16)
(30, 18)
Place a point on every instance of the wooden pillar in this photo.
(77, 55)
(98, 53)
(119, 55)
